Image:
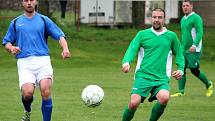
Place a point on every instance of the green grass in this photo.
(96, 59)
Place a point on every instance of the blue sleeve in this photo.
(10, 36)
(53, 30)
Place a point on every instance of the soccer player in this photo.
(26, 38)
(155, 47)
(191, 42)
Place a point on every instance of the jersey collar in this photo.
(159, 33)
(186, 17)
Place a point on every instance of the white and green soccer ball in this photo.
(92, 95)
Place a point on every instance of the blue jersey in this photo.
(30, 35)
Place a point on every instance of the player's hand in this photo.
(125, 67)
(193, 49)
(65, 54)
(177, 74)
(14, 50)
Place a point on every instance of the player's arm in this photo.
(63, 43)
(9, 40)
(198, 25)
(57, 34)
(131, 53)
(177, 51)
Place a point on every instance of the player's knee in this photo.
(163, 96)
(27, 94)
(46, 93)
(27, 90)
(195, 71)
(164, 99)
(135, 101)
(133, 105)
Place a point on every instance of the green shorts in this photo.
(144, 87)
(192, 60)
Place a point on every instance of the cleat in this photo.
(178, 94)
(210, 90)
(26, 116)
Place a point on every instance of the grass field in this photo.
(96, 59)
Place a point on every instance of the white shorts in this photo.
(33, 69)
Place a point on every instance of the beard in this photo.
(29, 9)
(157, 26)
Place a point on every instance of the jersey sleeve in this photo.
(53, 30)
(10, 36)
(177, 51)
(198, 24)
(133, 49)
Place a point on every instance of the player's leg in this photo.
(27, 99)
(45, 80)
(191, 61)
(45, 87)
(139, 91)
(158, 109)
(182, 81)
(27, 85)
(130, 109)
(194, 67)
(201, 76)
(181, 85)
(27, 96)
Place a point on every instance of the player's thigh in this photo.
(27, 80)
(45, 79)
(45, 88)
(45, 74)
(26, 76)
(158, 88)
(141, 86)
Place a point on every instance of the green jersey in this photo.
(192, 32)
(155, 54)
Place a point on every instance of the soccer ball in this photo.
(92, 95)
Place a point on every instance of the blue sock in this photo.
(47, 109)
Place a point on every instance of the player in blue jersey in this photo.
(26, 38)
